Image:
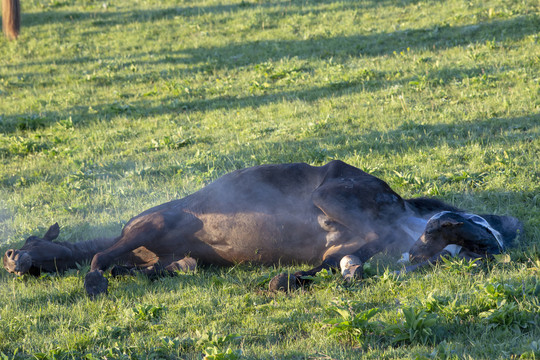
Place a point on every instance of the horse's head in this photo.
(37, 254)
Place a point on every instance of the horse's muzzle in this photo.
(17, 262)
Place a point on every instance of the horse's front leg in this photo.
(350, 266)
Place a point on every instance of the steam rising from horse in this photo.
(275, 214)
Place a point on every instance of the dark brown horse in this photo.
(11, 18)
(270, 214)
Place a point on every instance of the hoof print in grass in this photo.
(283, 282)
(95, 283)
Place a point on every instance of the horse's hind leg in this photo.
(157, 270)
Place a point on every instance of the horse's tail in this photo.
(11, 18)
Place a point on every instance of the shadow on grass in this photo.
(238, 54)
(102, 17)
(83, 115)
(434, 38)
(241, 54)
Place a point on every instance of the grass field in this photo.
(110, 107)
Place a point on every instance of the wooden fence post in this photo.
(11, 18)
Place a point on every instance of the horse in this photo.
(275, 214)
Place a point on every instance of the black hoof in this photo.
(121, 271)
(95, 283)
(283, 282)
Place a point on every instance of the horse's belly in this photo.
(263, 238)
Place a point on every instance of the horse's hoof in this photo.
(117, 271)
(186, 264)
(283, 282)
(353, 273)
(95, 283)
(351, 268)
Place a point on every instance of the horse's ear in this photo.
(52, 233)
(450, 223)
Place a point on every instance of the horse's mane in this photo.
(424, 206)
(85, 250)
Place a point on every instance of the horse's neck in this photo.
(85, 250)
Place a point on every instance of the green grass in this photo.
(109, 108)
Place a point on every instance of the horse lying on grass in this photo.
(275, 214)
